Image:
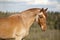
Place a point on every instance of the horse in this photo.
(17, 25)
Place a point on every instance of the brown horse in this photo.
(17, 25)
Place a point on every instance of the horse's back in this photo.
(8, 26)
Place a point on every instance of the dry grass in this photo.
(37, 34)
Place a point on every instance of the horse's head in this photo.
(42, 19)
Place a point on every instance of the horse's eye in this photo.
(40, 16)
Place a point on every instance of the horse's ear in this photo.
(46, 9)
(42, 9)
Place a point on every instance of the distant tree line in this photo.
(53, 20)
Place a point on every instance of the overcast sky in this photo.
(20, 5)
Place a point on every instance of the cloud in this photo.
(58, 6)
(15, 0)
(35, 2)
(43, 2)
(52, 4)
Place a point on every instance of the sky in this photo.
(21, 5)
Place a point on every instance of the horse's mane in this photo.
(33, 9)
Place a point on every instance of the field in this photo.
(52, 32)
(37, 34)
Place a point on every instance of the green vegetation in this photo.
(53, 20)
(52, 32)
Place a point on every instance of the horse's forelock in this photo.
(44, 11)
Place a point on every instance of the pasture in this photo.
(52, 32)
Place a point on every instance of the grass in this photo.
(37, 34)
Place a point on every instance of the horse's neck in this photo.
(28, 19)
